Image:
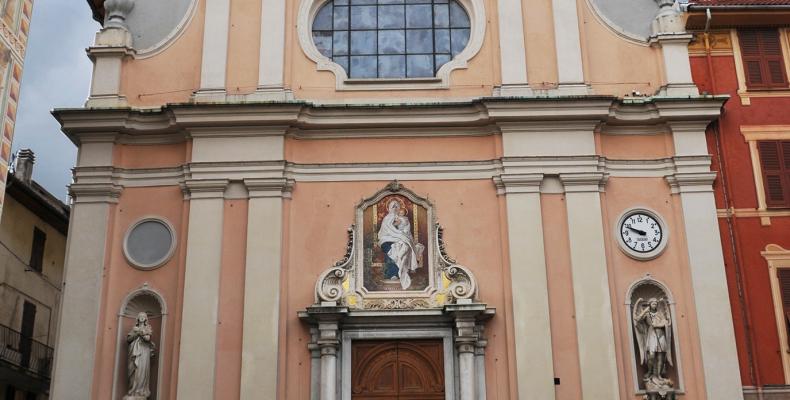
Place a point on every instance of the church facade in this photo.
(393, 199)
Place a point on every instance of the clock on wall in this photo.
(641, 234)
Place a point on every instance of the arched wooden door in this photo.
(397, 370)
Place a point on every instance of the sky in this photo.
(56, 74)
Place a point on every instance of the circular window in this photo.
(149, 243)
(391, 38)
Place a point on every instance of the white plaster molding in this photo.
(215, 48)
(172, 37)
(567, 42)
(477, 17)
(512, 50)
(272, 45)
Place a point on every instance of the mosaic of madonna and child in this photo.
(395, 252)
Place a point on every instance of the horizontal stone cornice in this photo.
(304, 120)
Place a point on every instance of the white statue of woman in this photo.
(141, 350)
(396, 230)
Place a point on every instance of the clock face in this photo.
(641, 232)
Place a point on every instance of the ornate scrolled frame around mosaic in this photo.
(449, 282)
(304, 22)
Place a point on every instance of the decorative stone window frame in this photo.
(779, 258)
(163, 260)
(477, 19)
(753, 134)
(648, 279)
(144, 290)
(171, 37)
(744, 92)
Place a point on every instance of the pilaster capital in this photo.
(204, 188)
(269, 187)
(518, 183)
(95, 192)
(584, 182)
(691, 182)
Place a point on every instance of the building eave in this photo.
(40, 202)
(737, 16)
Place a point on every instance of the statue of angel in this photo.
(653, 331)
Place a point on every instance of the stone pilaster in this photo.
(512, 51)
(693, 182)
(77, 335)
(196, 371)
(591, 294)
(528, 277)
(260, 338)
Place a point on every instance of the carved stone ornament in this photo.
(654, 345)
(395, 259)
(116, 12)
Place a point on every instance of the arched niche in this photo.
(648, 288)
(148, 300)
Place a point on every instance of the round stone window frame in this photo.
(162, 261)
(477, 20)
(635, 254)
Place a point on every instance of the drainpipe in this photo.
(740, 275)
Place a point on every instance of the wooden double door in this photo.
(397, 370)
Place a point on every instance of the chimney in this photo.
(24, 165)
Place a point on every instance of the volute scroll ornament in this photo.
(329, 287)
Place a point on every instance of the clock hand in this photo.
(643, 233)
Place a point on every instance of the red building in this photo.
(742, 49)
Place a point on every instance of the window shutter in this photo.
(762, 58)
(784, 288)
(37, 252)
(775, 165)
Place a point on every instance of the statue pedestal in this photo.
(135, 397)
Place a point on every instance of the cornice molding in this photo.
(303, 120)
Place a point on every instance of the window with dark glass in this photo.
(391, 38)
(763, 62)
(775, 166)
(37, 251)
